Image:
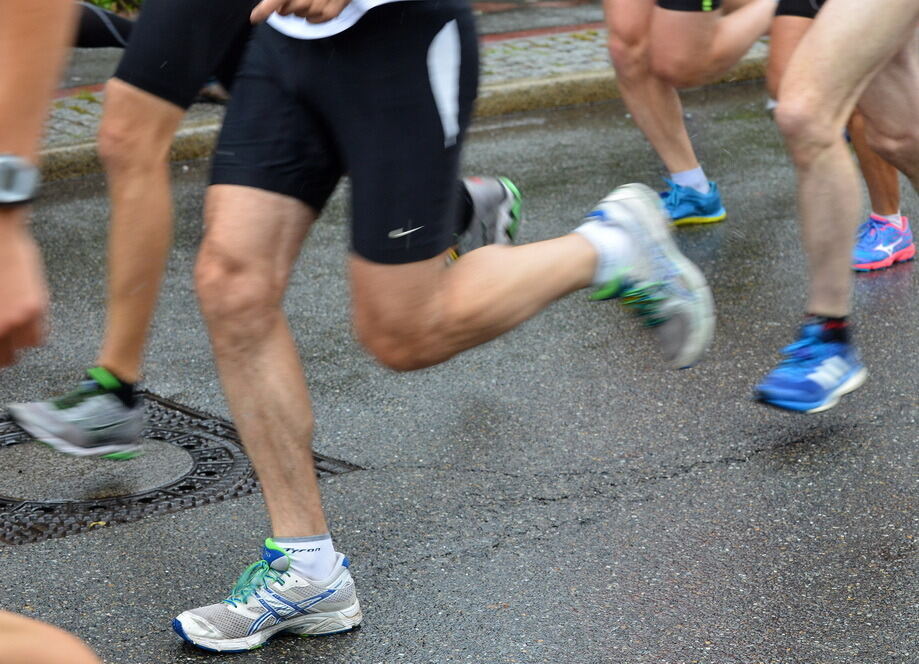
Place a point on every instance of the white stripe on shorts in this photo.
(444, 73)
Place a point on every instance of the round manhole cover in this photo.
(191, 459)
(36, 472)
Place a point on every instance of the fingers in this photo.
(314, 11)
(264, 9)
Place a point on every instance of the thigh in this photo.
(684, 30)
(840, 54)
(272, 139)
(253, 234)
(176, 45)
(398, 90)
(629, 20)
(786, 33)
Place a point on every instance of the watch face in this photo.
(18, 180)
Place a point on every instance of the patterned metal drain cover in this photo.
(219, 470)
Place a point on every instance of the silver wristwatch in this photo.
(18, 180)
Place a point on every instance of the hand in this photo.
(23, 294)
(314, 11)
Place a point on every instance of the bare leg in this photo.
(692, 48)
(653, 103)
(241, 275)
(442, 311)
(824, 79)
(27, 641)
(134, 141)
(882, 179)
(889, 106)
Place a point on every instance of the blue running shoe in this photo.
(815, 373)
(685, 205)
(880, 244)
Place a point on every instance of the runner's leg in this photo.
(889, 106)
(689, 48)
(882, 178)
(242, 273)
(818, 93)
(136, 158)
(653, 103)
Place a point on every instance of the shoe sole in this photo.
(903, 256)
(851, 384)
(514, 213)
(22, 415)
(317, 624)
(654, 221)
(721, 215)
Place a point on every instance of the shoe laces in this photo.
(871, 228)
(672, 197)
(644, 301)
(805, 351)
(85, 390)
(255, 577)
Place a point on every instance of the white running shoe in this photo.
(661, 286)
(269, 599)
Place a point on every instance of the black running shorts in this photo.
(387, 101)
(176, 45)
(803, 8)
(690, 5)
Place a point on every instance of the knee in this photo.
(127, 143)
(899, 146)
(629, 53)
(807, 131)
(398, 343)
(681, 70)
(239, 303)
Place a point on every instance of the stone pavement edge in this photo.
(520, 71)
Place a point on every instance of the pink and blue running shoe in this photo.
(685, 205)
(816, 372)
(880, 244)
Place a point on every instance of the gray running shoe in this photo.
(90, 421)
(268, 599)
(496, 213)
(662, 287)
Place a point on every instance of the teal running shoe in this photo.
(685, 205)
(496, 214)
(269, 599)
(89, 421)
(661, 286)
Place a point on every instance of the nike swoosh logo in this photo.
(397, 233)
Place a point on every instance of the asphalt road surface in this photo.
(554, 496)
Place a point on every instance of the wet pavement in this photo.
(553, 496)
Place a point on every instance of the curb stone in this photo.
(528, 94)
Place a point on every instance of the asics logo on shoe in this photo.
(278, 608)
(829, 372)
(888, 248)
(398, 232)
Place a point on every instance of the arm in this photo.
(34, 37)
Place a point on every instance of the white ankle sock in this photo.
(614, 248)
(895, 219)
(312, 557)
(694, 178)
